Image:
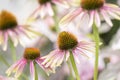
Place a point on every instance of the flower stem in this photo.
(13, 50)
(74, 65)
(4, 61)
(70, 68)
(36, 74)
(55, 18)
(96, 38)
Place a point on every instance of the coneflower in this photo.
(10, 28)
(95, 10)
(32, 56)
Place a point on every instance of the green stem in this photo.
(4, 61)
(74, 65)
(70, 68)
(55, 19)
(13, 51)
(36, 74)
(96, 38)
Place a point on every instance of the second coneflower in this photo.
(32, 56)
(95, 11)
(45, 8)
(10, 28)
(68, 42)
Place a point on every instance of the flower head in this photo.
(9, 27)
(32, 56)
(68, 42)
(93, 11)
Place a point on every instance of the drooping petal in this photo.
(48, 69)
(54, 58)
(61, 3)
(97, 19)
(17, 68)
(106, 17)
(42, 11)
(50, 10)
(5, 41)
(1, 37)
(70, 16)
(91, 18)
(114, 15)
(32, 70)
(76, 56)
(35, 13)
(13, 37)
(20, 68)
(86, 48)
(67, 55)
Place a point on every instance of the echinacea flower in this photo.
(10, 28)
(67, 42)
(45, 8)
(32, 56)
(93, 11)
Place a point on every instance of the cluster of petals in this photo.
(18, 67)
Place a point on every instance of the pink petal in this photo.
(50, 10)
(46, 69)
(20, 68)
(17, 67)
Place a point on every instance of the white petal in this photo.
(50, 10)
(106, 17)
(91, 18)
(13, 38)
(5, 41)
(114, 15)
(1, 38)
(97, 19)
(69, 17)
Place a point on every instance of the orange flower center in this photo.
(7, 20)
(43, 1)
(66, 41)
(92, 4)
(31, 53)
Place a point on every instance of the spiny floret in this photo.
(92, 4)
(66, 40)
(7, 20)
(31, 53)
(43, 1)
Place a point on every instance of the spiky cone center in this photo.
(43, 1)
(7, 20)
(92, 4)
(66, 40)
(31, 53)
